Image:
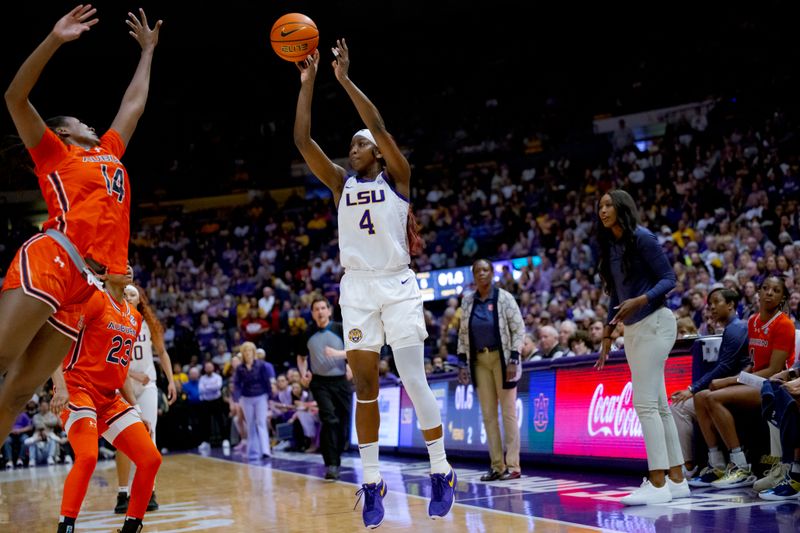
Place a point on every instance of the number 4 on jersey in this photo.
(366, 223)
(114, 184)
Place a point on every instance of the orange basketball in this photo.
(294, 36)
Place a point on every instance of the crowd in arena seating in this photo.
(720, 193)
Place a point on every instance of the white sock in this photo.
(716, 459)
(738, 458)
(796, 467)
(369, 462)
(124, 489)
(439, 464)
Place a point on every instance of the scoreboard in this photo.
(451, 282)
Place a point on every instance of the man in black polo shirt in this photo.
(329, 383)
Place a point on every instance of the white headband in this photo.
(366, 134)
(132, 288)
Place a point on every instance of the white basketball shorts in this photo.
(381, 307)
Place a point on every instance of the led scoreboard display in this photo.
(442, 284)
(447, 282)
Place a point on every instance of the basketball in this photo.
(294, 37)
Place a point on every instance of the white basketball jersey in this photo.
(142, 358)
(372, 226)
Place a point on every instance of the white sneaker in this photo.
(679, 490)
(689, 474)
(771, 479)
(647, 494)
(226, 447)
(9, 465)
(51, 461)
(68, 459)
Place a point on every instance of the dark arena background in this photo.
(516, 118)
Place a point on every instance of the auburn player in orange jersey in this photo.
(94, 375)
(86, 235)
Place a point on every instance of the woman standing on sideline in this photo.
(253, 384)
(380, 298)
(638, 276)
(489, 340)
(88, 196)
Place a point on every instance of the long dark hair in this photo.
(16, 164)
(628, 219)
(156, 328)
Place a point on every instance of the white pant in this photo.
(148, 401)
(647, 346)
(380, 307)
(255, 414)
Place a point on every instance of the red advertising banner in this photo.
(594, 413)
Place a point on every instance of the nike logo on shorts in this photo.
(405, 281)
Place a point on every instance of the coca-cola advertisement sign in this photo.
(595, 415)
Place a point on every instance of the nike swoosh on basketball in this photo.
(285, 33)
(404, 281)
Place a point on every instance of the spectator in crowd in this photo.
(329, 381)
(213, 421)
(42, 446)
(528, 347)
(732, 358)
(771, 337)
(686, 328)
(596, 335)
(305, 418)
(579, 343)
(548, 345)
(178, 374)
(21, 430)
(253, 382)
(253, 326)
(638, 276)
(566, 330)
(385, 374)
(489, 341)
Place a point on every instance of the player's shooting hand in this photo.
(141, 31)
(308, 67)
(73, 24)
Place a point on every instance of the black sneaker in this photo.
(122, 503)
(508, 474)
(152, 505)
(491, 475)
(131, 525)
(67, 526)
(332, 473)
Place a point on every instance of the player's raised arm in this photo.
(320, 164)
(396, 163)
(27, 120)
(135, 97)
